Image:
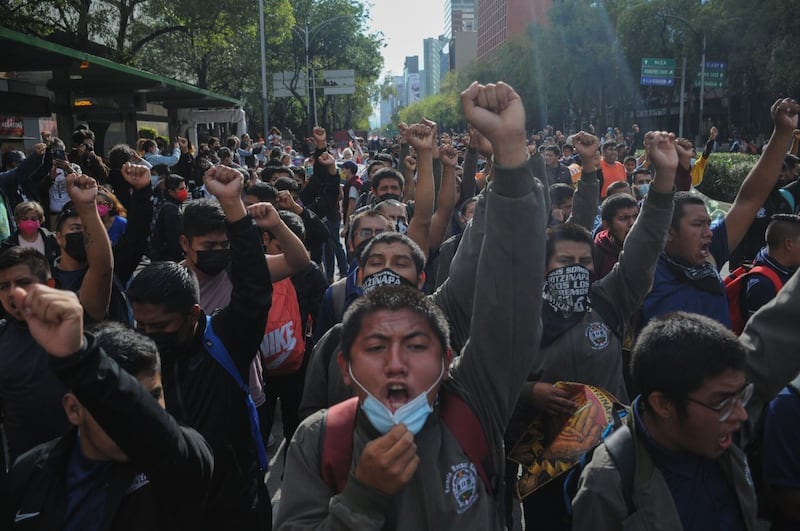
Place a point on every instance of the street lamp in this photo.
(264, 103)
(702, 77)
(305, 36)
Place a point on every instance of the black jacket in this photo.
(162, 486)
(321, 194)
(51, 248)
(201, 394)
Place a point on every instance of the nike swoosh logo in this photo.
(25, 516)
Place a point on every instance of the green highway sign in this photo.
(650, 71)
(658, 62)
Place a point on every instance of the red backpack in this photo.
(283, 346)
(735, 284)
(340, 422)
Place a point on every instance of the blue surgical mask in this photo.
(643, 189)
(692, 161)
(154, 180)
(413, 414)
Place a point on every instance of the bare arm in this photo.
(762, 178)
(421, 138)
(447, 197)
(95, 290)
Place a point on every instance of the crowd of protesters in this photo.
(417, 307)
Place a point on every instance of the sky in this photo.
(405, 24)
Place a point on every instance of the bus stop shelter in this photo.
(40, 79)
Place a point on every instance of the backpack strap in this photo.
(788, 197)
(338, 426)
(770, 274)
(465, 427)
(339, 293)
(623, 454)
(214, 346)
(337, 440)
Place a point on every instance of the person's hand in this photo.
(320, 137)
(224, 182)
(448, 155)
(712, 135)
(684, 147)
(326, 159)
(479, 142)
(784, 114)
(40, 148)
(265, 215)
(635, 128)
(82, 189)
(496, 111)
(410, 164)
(285, 201)
(796, 134)
(419, 136)
(586, 145)
(661, 152)
(183, 144)
(434, 132)
(551, 399)
(54, 318)
(388, 462)
(137, 175)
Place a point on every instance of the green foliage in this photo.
(724, 175)
(215, 45)
(148, 132)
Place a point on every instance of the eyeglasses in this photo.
(369, 233)
(725, 408)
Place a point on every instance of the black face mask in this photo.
(74, 246)
(384, 277)
(213, 262)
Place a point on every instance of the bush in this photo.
(148, 132)
(724, 175)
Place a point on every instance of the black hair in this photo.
(629, 158)
(554, 149)
(393, 298)
(614, 203)
(135, 353)
(224, 153)
(567, 232)
(35, 261)
(201, 217)
(294, 222)
(613, 187)
(172, 182)
(167, 283)
(374, 163)
(560, 192)
(387, 173)
(384, 157)
(148, 144)
(265, 192)
(118, 155)
(608, 145)
(681, 200)
(67, 211)
(782, 227)
(390, 237)
(387, 203)
(82, 135)
(463, 208)
(678, 352)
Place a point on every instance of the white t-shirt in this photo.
(58, 192)
(38, 244)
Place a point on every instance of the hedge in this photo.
(724, 175)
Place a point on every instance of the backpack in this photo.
(340, 420)
(283, 346)
(214, 346)
(734, 286)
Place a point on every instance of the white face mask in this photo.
(413, 414)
